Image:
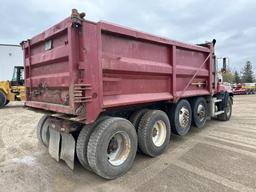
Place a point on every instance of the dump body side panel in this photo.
(139, 68)
(134, 71)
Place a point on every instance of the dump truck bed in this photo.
(82, 68)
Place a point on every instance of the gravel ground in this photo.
(219, 157)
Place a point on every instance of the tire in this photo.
(154, 133)
(135, 120)
(110, 138)
(7, 102)
(43, 133)
(3, 99)
(136, 117)
(83, 140)
(181, 109)
(199, 112)
(227, 111)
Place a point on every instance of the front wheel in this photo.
(112, 148)
(227, 111)
(3, 99)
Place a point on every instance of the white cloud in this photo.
(231, 22)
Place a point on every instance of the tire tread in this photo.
(39, 128)
(143, 132)
(83, 140)
(92, 150)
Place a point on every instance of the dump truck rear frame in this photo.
(107, 90)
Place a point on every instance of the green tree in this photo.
(247, 76)
(237, 78)
(228, 77)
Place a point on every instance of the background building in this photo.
(10, 56)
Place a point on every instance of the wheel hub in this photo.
(184, 117)
(159, 133)
(155, 132)
(113, 145)
(201, 112)
(119, 148)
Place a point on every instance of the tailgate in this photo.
(52, 69)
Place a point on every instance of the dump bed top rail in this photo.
(110, 27)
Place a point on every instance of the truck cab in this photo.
(18, 76)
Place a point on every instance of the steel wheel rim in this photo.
(119, 148)
(184, 117)
(159, 133)
(201, 112)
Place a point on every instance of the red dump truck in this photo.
(107, 91)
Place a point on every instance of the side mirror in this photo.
(224, 66)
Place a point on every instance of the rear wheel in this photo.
(154, 133)
(112, 148)
(82, 142)
(181, 117)
(227, 111)
(3, 99)
(43, 133)
(199, 108)
(135, 120)
(136, 117)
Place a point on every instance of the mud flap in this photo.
(67, 150)
(54, 144)
(68, 145)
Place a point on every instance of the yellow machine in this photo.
(13, 90)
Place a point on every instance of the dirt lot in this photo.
(220, 157)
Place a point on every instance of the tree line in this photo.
(245, 76)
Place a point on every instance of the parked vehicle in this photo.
(108, 90)
(13, 90)
(245, 89)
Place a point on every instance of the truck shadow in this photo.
(142, 161)
(14, 104)
(13, 107)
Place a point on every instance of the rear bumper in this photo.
(51, 107)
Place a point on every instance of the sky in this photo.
(231, 22)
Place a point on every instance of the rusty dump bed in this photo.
(82, 68)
